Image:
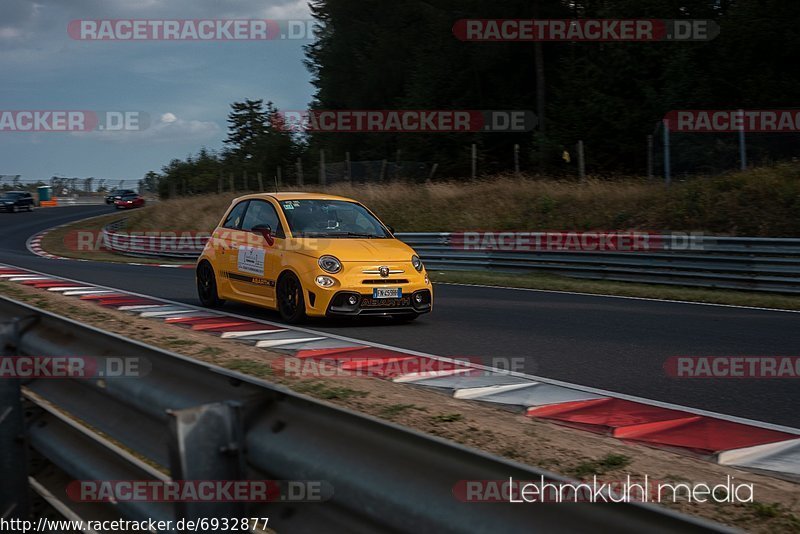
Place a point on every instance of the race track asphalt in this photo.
(610, 343)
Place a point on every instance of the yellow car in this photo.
(311, 255)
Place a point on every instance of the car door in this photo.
(225, 247)
(257, 260)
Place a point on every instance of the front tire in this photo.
(207, 286)
(291, 303)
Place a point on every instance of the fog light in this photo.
(353, 300)
(325, 281)
(418, 298)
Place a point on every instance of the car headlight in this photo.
(330, 264)
(325, 281)
(417, 263)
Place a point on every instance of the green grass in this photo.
(626, 289)
(248, 367)
(609, 462)
(326, 391)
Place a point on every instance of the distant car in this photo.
(314, 255)
(15, 201)
(129, 201)
(116, 194)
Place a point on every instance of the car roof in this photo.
(16, 192)
(294, 196)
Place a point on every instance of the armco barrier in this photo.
(745, 263)
(202, 422)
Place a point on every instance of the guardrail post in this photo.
(206, 444)
(13, 448)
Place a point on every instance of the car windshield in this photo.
(332, 218)
(13, 196)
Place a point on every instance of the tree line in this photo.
(373, 54)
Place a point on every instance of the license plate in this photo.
(387, 293)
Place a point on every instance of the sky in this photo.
(185, 88)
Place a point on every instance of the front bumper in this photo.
(415, 303)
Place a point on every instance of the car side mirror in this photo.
(391, 229)
(266, 232)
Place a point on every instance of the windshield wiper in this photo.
(346, 234)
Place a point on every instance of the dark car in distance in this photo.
(129, 201)
(116, 194)
(15, 201)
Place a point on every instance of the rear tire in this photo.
(291, 302)
(207, 286)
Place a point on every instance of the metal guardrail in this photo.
(202, 422)
(744, 263)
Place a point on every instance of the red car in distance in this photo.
(129, 201)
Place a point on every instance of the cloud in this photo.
(169, 128)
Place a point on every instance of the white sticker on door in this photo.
(251, 260)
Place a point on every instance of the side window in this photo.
(262, 213)
(234, 218)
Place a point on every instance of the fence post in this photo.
(474, 161)
(299, 172)
(219, 183)
(348, 168)
(516, 160)
(742, 145)
(581, 162)
(650, 156)
(260, 182)
(244, 180)
(667, 155)
(384, 163)
(323, 176)
(280, 177)
(233, 186)
(207, 443)
(433, 171)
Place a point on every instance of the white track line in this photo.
(596, 391)
(649, 299)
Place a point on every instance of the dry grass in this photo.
(760, 202)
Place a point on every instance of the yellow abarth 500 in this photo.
(311, 255)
